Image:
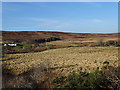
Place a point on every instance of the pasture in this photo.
(65, 60)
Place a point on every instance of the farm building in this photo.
(10, 44)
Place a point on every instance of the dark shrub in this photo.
(108, 43)
(94, 80)
(38, 77)
(46, 40)
(17, 41)
(118, 45)
(52, 39)
(40, 40)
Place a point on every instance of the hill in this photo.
(30, 36)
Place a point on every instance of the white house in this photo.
(5, 44)
(9, 44)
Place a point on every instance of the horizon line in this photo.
(58, 31)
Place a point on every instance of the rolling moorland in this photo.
(47, 59)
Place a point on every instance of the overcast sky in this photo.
(78, 17)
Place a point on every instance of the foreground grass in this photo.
(66, 60)
(38, 78)
(107, 78)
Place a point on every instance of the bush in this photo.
(107, 43)
(98, 79)
(38, 77)
(47, 40)
(117, 45)
(40, 41)
(52, 39)
(17, 41)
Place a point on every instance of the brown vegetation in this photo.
(30, 36)
(30, 66)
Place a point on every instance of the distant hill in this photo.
(30, 36)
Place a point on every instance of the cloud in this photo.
(43, 20)
(97, 20)
(44, 23)
(18, 28)
(37, 23)
(64, 25)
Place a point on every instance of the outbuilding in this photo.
(10, 44)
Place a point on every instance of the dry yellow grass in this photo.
(80, 40)
(64, 59)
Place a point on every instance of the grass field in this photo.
(66, 60)
(37, 65)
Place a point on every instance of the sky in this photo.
(76, 17)
(60, 0)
